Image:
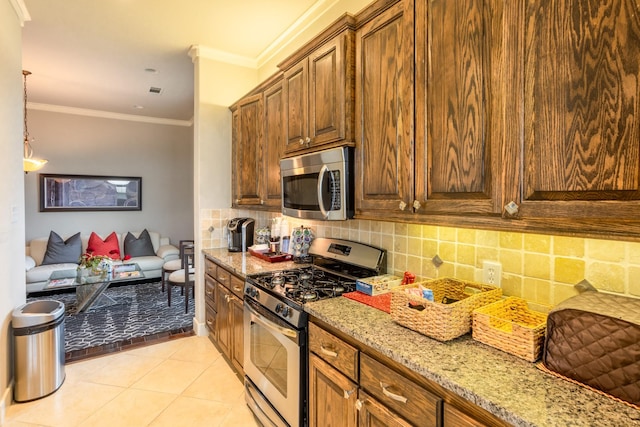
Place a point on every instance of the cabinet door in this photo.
(384, 111)
(457, 141)
(296, 105)
(247, 160)
(580, 115)
(332, 396)
(223, 331)
(327, 90)
(372, 413)
(274, 132)
(236, 320)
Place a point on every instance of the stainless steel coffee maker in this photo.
(240, 234)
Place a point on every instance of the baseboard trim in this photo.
(7, 398)
(200, 328)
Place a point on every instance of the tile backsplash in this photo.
(540, 268)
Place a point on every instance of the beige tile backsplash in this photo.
(538, 267)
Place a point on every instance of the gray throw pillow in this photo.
(141, 246)
(62, 251)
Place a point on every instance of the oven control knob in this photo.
(285, 311)
(253, 292)
(278, 308)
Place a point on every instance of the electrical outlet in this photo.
(492, 273)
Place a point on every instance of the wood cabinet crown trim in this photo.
(345, 22)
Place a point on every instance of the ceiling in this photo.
(106, 55)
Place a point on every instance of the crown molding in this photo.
(21, 11)
(108, 115)
(199, 51)
(292, 33)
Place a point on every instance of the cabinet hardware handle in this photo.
(348, 393)
(359, 404)
(307, 140)
(209, 292)
(402, 205)
(261, 202)
(209, 322)
(226, 297)
(237, 289)
(328, 352)
(416, 205)
(301, 141)
(511, 208)
(237, 200)
(391, 395)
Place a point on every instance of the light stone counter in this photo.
(243, 263)
(506, 386)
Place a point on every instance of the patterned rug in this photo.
(140, 313)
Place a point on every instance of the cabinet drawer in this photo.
(210, 315)
(209, 291)
(402, 395)
(223, 276)
(333, 350)
(455, 418)
(210, 267)
(237, 286)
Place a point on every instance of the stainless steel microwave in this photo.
(318, 185)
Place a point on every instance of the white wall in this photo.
(75, 144)
(12, 282)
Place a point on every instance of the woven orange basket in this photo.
(510, 326)
(437, 319)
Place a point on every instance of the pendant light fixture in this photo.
(29, 163)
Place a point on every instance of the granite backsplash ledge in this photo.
(506, 386)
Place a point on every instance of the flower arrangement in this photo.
(91, 261)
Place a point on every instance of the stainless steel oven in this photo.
(318, 185)
(276, 325)
(275, 356)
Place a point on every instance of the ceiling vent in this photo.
(155, 90)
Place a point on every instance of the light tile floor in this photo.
(183, 382)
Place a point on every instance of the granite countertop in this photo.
(243, 263)
(506, 386)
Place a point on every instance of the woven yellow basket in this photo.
(510, 326)
(435, 319)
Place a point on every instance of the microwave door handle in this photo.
(323, 170)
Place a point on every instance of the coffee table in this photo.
(90, 287)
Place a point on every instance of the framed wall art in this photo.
(90, 193)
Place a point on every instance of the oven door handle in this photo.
(323, 170)
(291, 333)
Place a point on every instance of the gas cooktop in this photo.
(305, 284)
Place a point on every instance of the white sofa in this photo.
(38, 274)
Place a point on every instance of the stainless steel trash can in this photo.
(38, 330)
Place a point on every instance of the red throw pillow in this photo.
(109, 247)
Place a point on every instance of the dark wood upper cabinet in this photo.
(247, 122)
(273, 144)
(384, 112)
(456, 147)
(318, 90)
(574, 123)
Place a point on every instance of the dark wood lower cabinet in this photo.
(455, 418)
(332, 396)
(372, 413)
(224, 312)
(237, 333)
(388, 393)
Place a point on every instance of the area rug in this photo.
(140, 314)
